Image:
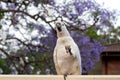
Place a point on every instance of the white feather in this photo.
(65, 63)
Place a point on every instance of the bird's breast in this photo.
(64, 41)
(62, 54)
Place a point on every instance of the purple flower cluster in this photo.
(11, 6)
(90, 50)
(81, 6)
(106, 17)
(52, 2)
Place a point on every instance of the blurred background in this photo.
(28, 38)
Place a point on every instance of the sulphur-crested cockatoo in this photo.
(67, 57)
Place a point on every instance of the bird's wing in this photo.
(73, 50)
(56, 62)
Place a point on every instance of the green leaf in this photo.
(92, 33)
(0, 26)
(1, 15)
(95, 14)
(4, 66)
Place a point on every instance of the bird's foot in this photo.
(65, 75)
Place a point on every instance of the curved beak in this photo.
(59, 27)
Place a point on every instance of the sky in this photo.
(111, 5)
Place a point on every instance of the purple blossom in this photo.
(73, 16)
(82, 6)
(50, 41)
(52, 2)
(11, 6)
(25, 51)
(90, 50)
(35, 39)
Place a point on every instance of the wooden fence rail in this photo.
(59, 77)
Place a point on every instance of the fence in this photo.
(59, 77)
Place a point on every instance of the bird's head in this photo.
(60, 25)
(61, 28)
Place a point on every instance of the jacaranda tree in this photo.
(27, 36)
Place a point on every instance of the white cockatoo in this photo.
(66, 56)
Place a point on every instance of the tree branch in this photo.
(8, 56)
(75, 27)
(17, 11)
(5, 52)
(33, 17)
(27, 45)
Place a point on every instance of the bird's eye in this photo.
(58, 25)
